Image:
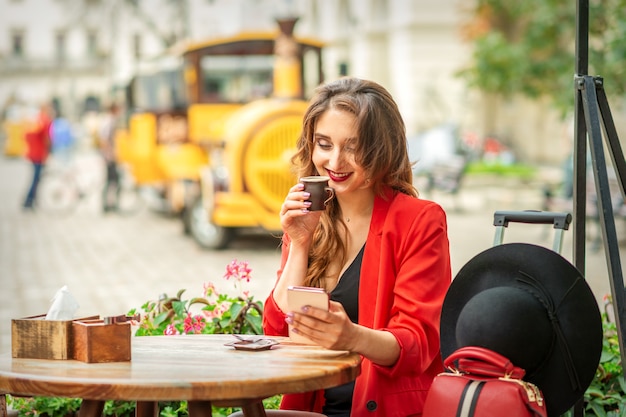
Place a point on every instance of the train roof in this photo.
(242, 37)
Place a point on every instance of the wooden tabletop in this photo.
(188, 367)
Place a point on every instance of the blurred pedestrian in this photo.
(111, 192)
(62, 138)
(37, 139)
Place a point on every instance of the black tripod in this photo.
(592, 111)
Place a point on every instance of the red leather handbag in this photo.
(482, 383)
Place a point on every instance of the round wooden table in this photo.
(196, 368)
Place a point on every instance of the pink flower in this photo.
(238, 270)
(211, 314)
(209, 289)
(244, 271)
(170, 330)
(221, 308)
(194, 324)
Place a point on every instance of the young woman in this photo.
(381, 253)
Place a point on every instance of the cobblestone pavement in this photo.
(113, 263)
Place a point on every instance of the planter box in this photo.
(36, 338)
(96, 342)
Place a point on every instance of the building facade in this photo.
(81, 53)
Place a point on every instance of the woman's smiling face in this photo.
(336, 139)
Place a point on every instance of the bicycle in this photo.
(64, 186)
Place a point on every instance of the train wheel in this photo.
(204, 232)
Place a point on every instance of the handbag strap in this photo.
(481, 361)
(470, 395)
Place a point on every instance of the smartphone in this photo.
(298, 297)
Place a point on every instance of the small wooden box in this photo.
(95, 341)
(35, 337)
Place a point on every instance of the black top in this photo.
(339, 399)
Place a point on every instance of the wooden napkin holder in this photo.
(96, 342)
(35, 337)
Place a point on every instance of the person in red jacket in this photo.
(379, 251)
(37, 148)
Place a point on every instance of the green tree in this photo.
(528, 47)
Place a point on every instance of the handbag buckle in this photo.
(532, 391)
(455, 371)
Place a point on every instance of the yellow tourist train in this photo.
(213, 125)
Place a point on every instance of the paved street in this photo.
(113, 263)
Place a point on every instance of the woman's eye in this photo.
(323, 145)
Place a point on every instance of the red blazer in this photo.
(404, 278)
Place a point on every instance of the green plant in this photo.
(522, 171)
(119, 408)
(63, 407)
(606, 396)
(43, 406)
(219, 313)
(527, 47)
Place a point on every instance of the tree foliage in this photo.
(528, 47)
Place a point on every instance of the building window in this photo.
(92, 44)
(17, 43)
(345, 18)
(380, 14)
(60, 46)
(137, 45)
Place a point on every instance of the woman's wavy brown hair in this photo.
(381, 150)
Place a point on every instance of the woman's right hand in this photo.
(295, 218)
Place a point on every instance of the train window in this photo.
(160, 91)
(236, 78)
(311, 73)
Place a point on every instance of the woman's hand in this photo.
(333, 330)
(330, 329)
(295, 218)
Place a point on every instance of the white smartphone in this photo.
(298, 297)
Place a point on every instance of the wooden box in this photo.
(95, 341)
(35, 337)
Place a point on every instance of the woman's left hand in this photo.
(330, 329)
(333, 330)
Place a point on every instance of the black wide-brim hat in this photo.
(530, 304)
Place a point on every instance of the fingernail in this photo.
(306, 195)
(305, 308)
(289, 320)
(307, 203)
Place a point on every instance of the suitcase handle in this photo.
(560, 220)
